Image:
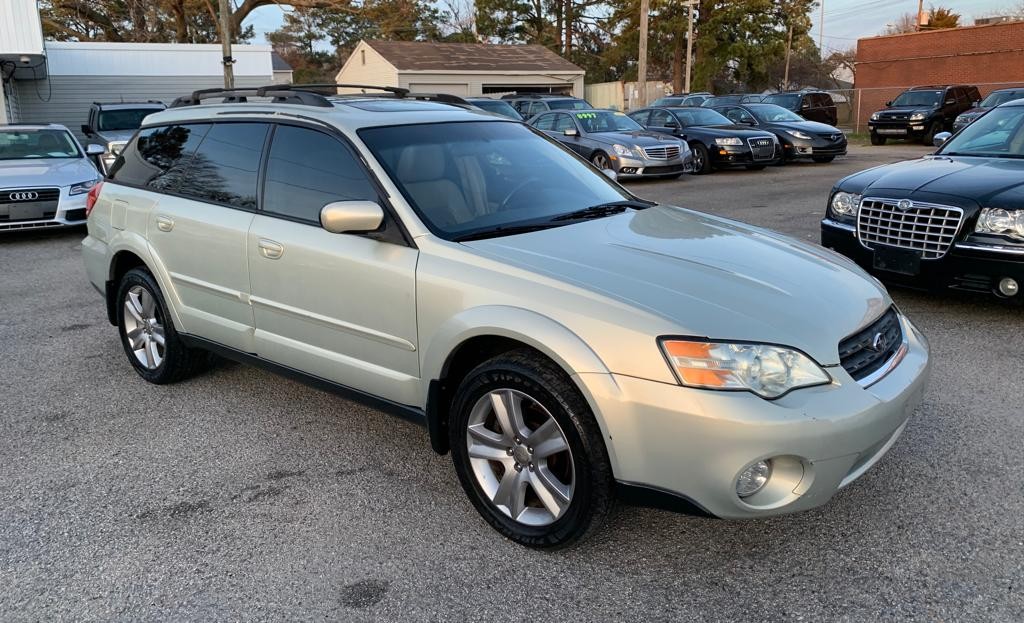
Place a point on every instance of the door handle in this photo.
(164, 223)
(270, 249)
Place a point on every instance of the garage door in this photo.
(461, 90)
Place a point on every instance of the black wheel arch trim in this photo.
(649, 496)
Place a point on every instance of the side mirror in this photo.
(950, 102)
(610, 174)
(86, 129)
(749, 122)
(95, 150)
(975, 103)
(888, 104)
(571, 132)
(351, 217)
(671, 123)
(940, 139)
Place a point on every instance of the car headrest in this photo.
(421, 163)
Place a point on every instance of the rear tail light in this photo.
(90, 199)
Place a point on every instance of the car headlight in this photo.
(875, 116)
(845, 204)
(732, 140)
(1000, 221)
(622, 150)
(799, 134)
(82, 187)
(768, 371)
(918, 116)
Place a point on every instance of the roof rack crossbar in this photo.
(397, 91)
(239, 95)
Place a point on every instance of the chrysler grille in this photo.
(923, 227)
(661, 153)
(762, 148)
(870, 348)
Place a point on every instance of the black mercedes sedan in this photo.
(954, 219)
(715, 141)
(800, 138)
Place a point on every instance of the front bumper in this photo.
(693, 443)
(626, 167)
(900, 129)
(69, 212)
(796, 148)
(724, 156)
(968, 266)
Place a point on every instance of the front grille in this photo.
(675, 168)
(667, 152)
(28, 195)
(894, 116)
(762, 148)
(835, 137)
(870, 348)
(923, 227)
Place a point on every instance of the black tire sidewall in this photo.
(590, 462)
(705, 168)
(173, 349)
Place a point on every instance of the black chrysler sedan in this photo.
(800, 138)
(715, 141)
(952, 219)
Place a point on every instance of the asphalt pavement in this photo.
(240, 495)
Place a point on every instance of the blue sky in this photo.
(845, 20)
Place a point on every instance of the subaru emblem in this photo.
(905, 204)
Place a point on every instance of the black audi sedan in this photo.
(799, 137)
(954, 219)
(715, 141)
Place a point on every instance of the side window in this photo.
(659, 118)
(826, 99)
(537, 107)
(545, 122)
(563, 123)
(640, 117)
(226, 165)
(159, 157)
(307, 169)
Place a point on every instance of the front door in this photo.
(339, 306)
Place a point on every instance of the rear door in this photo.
(195, 187)
(339, 306)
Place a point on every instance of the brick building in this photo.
(990, 57)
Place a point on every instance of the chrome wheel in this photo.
(143, 327)
(520, 457)
(698, 160)
(601, 162)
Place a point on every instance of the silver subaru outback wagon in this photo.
(567, 342)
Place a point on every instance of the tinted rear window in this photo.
(159, 157)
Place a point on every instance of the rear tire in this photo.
(148, 335)
(877, 140)
(535, 446)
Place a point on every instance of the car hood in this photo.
(642, 139)
(45, 172)
(727, 130)
(805, 126)
(908, 109)
(967, 182)
(113, 136)
(711, 277)
(974, 112)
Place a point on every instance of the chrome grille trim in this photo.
(667, 152)
(926, 227)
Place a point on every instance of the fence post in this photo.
(856, 127)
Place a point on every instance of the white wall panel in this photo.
(153, 59)
(20, 29)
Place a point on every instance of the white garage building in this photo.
(463, 69)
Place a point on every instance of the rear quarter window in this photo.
(157, 158)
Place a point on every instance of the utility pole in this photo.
(689, 44)
(645, 8)
(920, 15)
(225, 44)
(789, 49)
(821, 30)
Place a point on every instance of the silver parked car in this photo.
(613, 141)
(566, 341)
(45, 175)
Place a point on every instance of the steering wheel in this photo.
(512, 193)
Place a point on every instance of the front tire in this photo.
(933, 128)
(148, 335)
(529, 453)
(601, 160)
(878, 140)
(701, 159)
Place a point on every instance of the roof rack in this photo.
(517, 95)
(277, 94)
(314, 86)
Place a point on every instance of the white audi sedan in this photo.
(45, 175)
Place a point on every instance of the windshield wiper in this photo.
(605, 209)
(505, 230)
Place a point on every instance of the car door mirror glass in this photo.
(95, 150)
(351, 217)
(941, 138)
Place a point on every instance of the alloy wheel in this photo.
(520, 457)
(601, 162)
(143, 327)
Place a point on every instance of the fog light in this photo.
(753, 479)
(1008, 286)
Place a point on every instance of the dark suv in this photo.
(921, 112)
(811, 105)
(531, 104)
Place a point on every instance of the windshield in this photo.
(568, 105)
(700, 116)
(770, 113)
(598, 121)
(471, 177)
(126, 119)
(497, 106)
(918, 98)
(24, 144)
(1001, 97)
(999, 134)
(791, 100)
